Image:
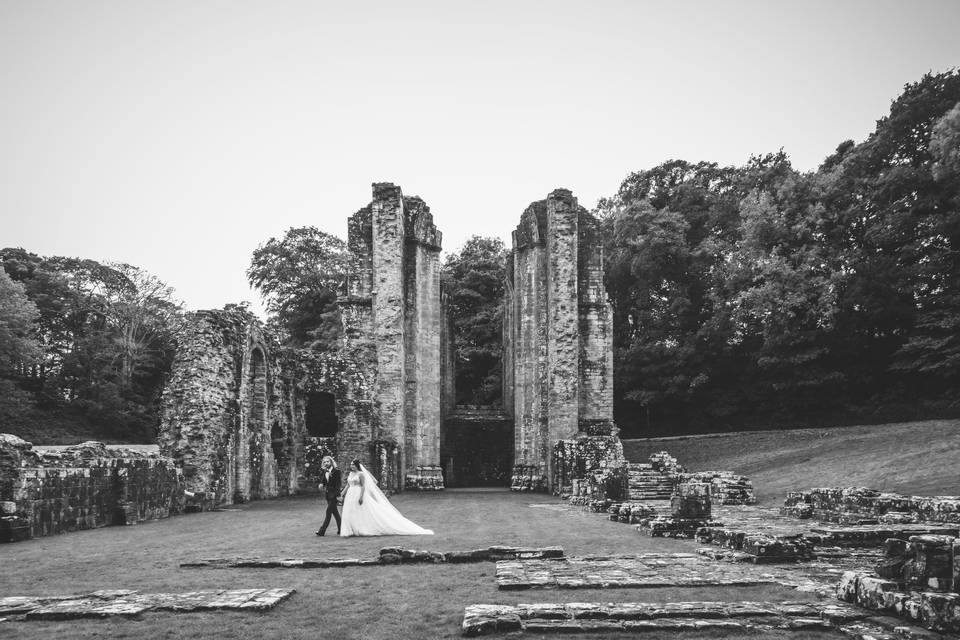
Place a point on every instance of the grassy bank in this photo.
(907, 457)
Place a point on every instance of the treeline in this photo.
(84, 348)
(761, 296)
(751, 296)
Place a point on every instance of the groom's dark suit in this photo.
(332, 481)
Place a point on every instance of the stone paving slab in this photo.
(102, 604)
(582, 617)
(626, 572)
(388, 555)
(653, 570)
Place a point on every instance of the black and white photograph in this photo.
(511, 319)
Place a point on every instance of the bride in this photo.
(367, 512)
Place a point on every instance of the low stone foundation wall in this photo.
(528, 477)
(589, 468)
(83, 487)
(690, 509)
(860, 505)
(424, 479)
(658, 478)
(725, 487)
(935, 609)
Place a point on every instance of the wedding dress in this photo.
(376, 516)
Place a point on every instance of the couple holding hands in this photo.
(366, 511)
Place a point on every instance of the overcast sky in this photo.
(179, 135)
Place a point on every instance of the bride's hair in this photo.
(355, 462)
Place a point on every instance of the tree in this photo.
(18, 315)
(932, 351)
(473, 278)
(105, 335)
(144, 317)
(299, 276)
(758, 294)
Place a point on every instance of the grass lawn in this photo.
(909, 457)
(414, 601)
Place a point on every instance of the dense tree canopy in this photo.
(18, 348)
(763, 296)
(748, 296)
(298, 276)
(473, 278)
(104, 338)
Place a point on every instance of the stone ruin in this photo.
(558, 349)
(46, 492)
(236, 414)
(244, 419)
(237, 411)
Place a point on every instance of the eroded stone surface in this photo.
(638, 617)
(860, 505)
(102, 604)
(624, 572)
(557, 337)
(388, 555)
(50, 491)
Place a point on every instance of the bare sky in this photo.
(177, 135)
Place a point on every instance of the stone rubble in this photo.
(102, 604)
(726, 487)
(860, 505)
(690, 507)
(918, 579)
(658, 479)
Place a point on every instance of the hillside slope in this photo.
(921, 458)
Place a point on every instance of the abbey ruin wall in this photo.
(238, 410)
(227, 416)
(395, 306)
(557, 335)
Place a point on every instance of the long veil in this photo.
(390, 519)
(372, 487)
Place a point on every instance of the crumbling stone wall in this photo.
(45, 492)
(220, 406)
(557, 335)
(234, 409)
(394, 306)
(856, 505)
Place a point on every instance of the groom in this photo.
(331, 481)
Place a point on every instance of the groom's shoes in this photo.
(320, 532)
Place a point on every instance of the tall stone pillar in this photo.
(563, 350)
(388, 310)
(596, 335)
(559, 338)
(423, 381)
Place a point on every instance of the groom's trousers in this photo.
(331, 511)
